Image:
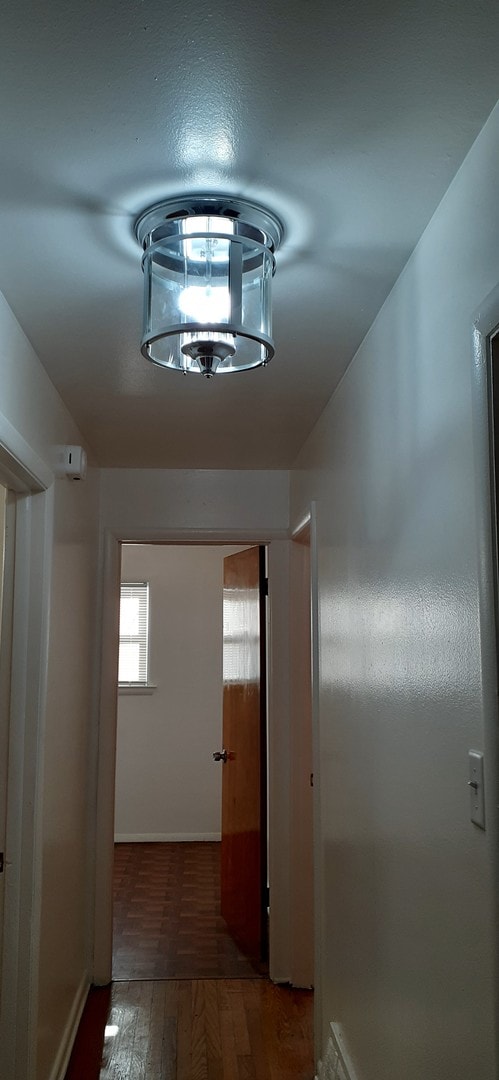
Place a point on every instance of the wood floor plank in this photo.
(241, 1033)
(144, 1033)
(184, 1030)
(229, 1054)
(118, 1047)
(287, 1037)
(163, 1061)
(168, 1069)
(215, 1069)
(259, 1051)
(251, 994)
(158, 1030)
(198, 1035)
(213, 1033)
(247, 1068)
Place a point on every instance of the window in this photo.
(134, 634)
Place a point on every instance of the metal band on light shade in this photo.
(208, 266)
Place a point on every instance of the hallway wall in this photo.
(68, 781)
(34, 418)
(407, 887)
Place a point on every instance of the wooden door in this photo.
(244, 787)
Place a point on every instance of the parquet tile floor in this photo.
(195, 1030)
(167, 921)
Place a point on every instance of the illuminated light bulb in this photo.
(206, 248)
(205, 304)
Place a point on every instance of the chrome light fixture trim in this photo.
(208, 263)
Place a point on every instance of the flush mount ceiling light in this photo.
(208, 265)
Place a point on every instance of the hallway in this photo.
(371, 131)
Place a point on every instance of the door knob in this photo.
(220, 755)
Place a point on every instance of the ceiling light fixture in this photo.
(208, 265)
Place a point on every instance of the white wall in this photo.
(29, 401)
(167, 785)
(67, 780)
(34, 418)
(407, 887)
(251, 501)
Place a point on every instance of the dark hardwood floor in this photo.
(195, 1030)
(167, 922)
(185, 1004)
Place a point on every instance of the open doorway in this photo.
(280, 692)
(167, 921)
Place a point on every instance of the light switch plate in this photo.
(476, 786)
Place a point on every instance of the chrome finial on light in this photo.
(208, 266)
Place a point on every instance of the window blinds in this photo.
(134, 633)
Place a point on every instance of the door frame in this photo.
(7, 542)
(277, 543)
(485, 326)
(308, 521)
(25, 474)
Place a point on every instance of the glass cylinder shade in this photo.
(208, 266)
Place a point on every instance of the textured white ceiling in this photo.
(349, 119)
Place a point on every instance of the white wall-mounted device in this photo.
(70, 461)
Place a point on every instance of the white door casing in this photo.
(28, 477)
(279, 838)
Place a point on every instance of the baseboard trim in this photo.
(164, 838)
(61, 1062)
(337, 1064)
